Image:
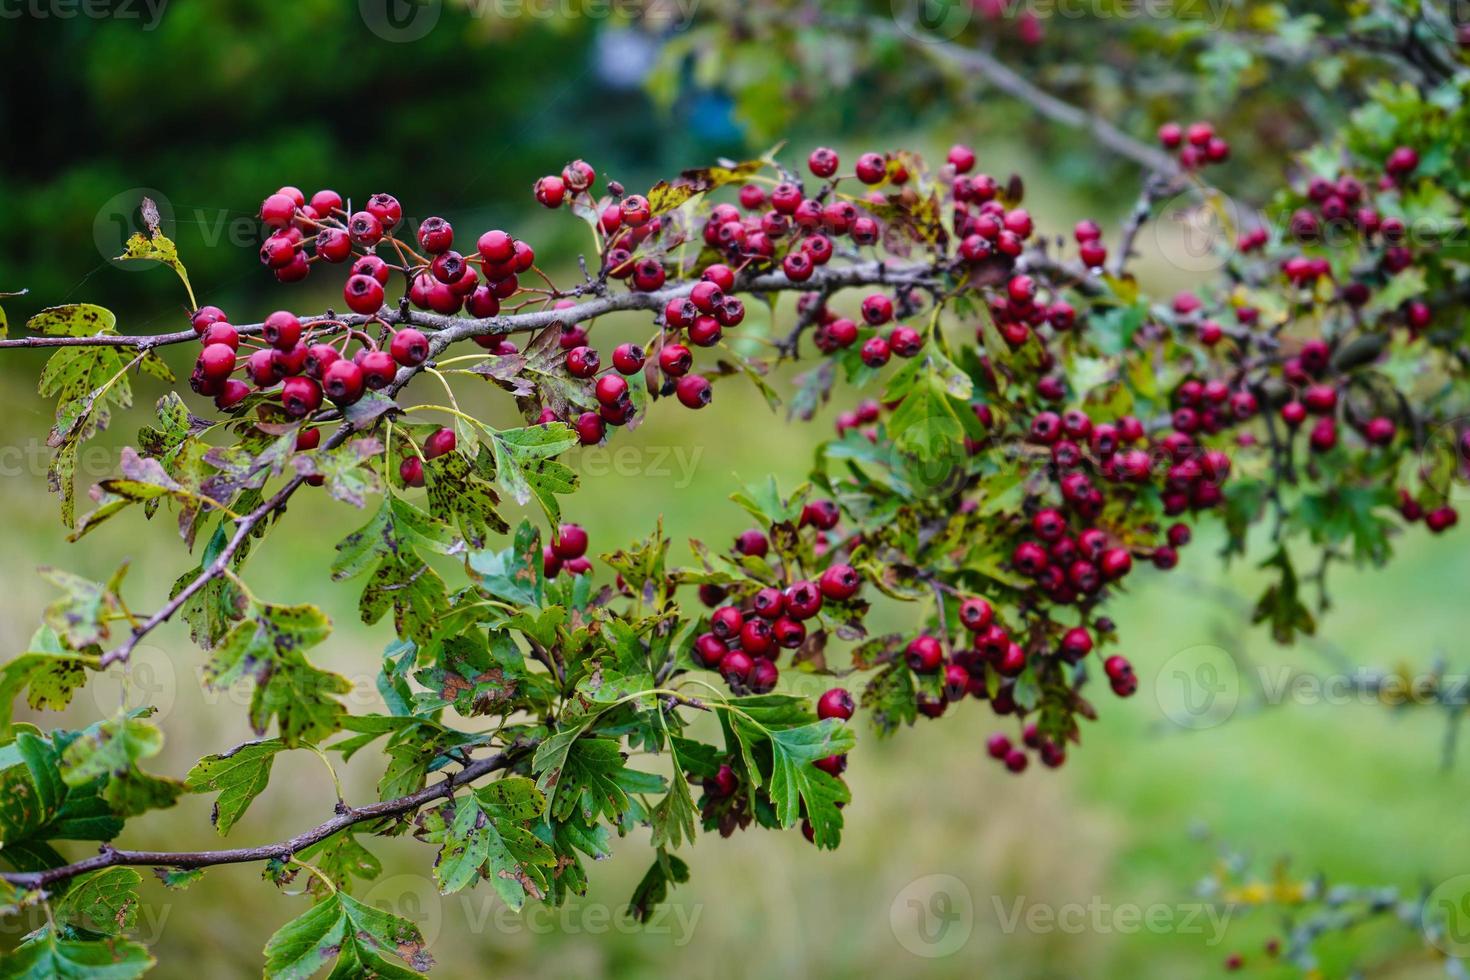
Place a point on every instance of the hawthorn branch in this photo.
(281, 850)
(446, 330)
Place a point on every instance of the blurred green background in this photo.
(213, 106)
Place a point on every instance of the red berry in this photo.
(803, 600)
(871, 168)
(301, 396)
(735, 667)
(550, 191)
(343, 382)
(590, 428)
(411, 472)
(693, 391)
(875, 352)
(823, 161)
(277, 210)
(409, 347)
(436, 235)
(752, 543)
(363, 294)
(839, 582)
(582, 362)
(439, 443)
(924, 654)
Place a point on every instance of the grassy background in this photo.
(1353, 791)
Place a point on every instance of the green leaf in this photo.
(653, 890)
(177, 879)
(157, 248)
(675, 819)
(270, 648)
(113, 749)
(793, 780)
(486, 833)
(104, 902)
(48, 673)
(458, 495)
(358, 937)
(347, 469)
(515, 573)
(239, 776)
(37, 805)
(341, 858)
(595, 780)
(46, 956)
(1280, 605)
(82, 615)
(525, 464)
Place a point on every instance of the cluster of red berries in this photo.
(834, 332)
(308, 361)
(744, 641)
(440, 442)
(440, 279)
(1000, 748)
(567, 552)
(1019, 312)
(1195, 146)
(985, 227)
